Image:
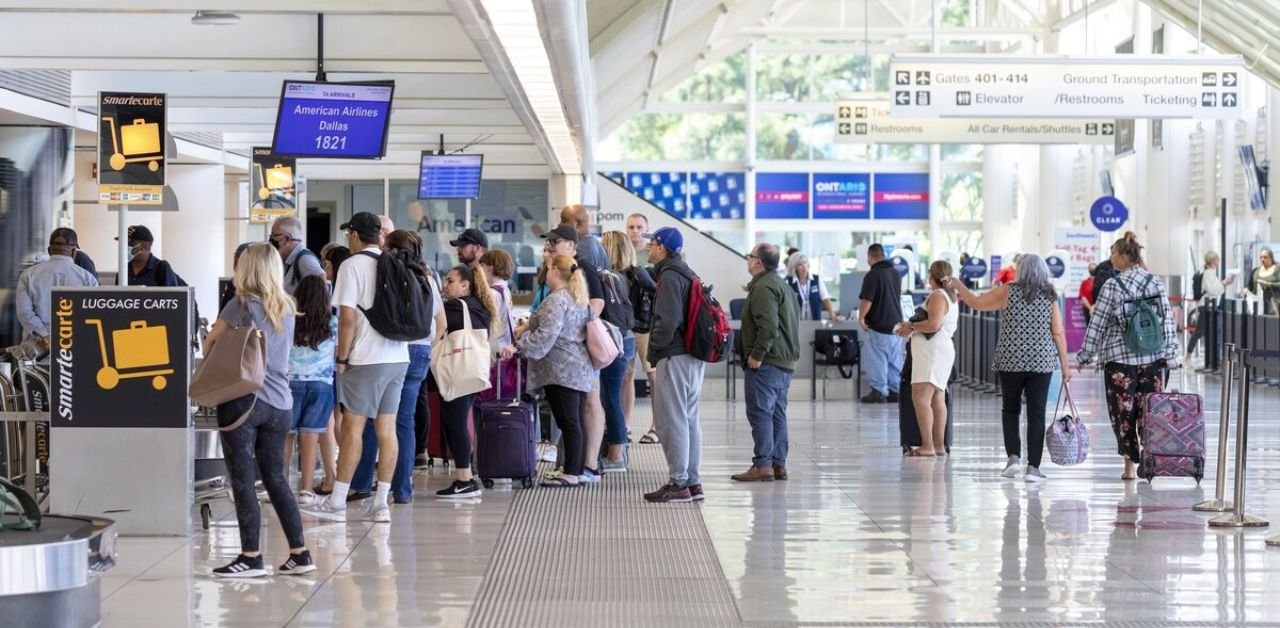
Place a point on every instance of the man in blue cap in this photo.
(678, 379)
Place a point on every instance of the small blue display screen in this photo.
(450, 176)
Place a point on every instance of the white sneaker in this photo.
(1034, 475)
(326, 509)
(1011, 469)
(307, 498)
(380, 513)
(548, 452)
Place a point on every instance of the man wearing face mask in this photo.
(146, 269)
(299, 261)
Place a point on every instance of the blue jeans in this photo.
(402, 479)
(312, 406)
(766, 396)
(882, 358)
(612, 378)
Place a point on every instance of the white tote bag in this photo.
(460, 362)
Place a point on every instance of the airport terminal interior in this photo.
(1064, 205)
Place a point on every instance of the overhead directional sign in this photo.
(1023, 86)
(869, 122)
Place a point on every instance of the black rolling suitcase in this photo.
(506, 436)
(908, 427)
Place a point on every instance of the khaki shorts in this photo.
(642, 353)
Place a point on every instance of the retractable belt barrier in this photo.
(1245, 326)
(976, 334)
(1248, 362)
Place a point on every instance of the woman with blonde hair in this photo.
(932, 356)
(554, 342)
(466, 292)
(262, 302)
(617, 391)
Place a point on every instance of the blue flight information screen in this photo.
(450, 176)
(335, 120)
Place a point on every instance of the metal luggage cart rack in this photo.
(209, 487)
(24, 421)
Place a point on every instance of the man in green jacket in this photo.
(771, 344)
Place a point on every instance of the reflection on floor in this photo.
(858, 536)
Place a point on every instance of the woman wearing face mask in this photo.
(466, 293)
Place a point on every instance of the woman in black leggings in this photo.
(466, 290)
(260, 437)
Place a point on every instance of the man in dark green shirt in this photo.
(771, 345)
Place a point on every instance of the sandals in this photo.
(558, 481)
(916, 453)
(650, 438)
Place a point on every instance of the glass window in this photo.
(962, 196)
(661, 136)
(783, 136)
(961, 152)
(724, 82)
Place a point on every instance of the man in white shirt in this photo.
(371, 370)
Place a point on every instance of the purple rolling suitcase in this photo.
(1172, 435)
(506, 431)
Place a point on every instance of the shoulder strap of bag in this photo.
(1064, 395)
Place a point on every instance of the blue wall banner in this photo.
(1057, 267)
(841, 196)
(782, 195)
(667, 190)
(1108, 213)
(901, 196)
(717, 195)
(975, 268)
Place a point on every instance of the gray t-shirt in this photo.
(275, 389)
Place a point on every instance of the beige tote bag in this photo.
(235, 367)
(460, 362)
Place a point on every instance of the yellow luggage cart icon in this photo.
(278, 177)
(135, 142)
(138, 347)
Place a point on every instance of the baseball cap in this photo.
(364, 224)
(668, 237)
(139, 233)
(67, 237)
(563, 232)
(471, 236)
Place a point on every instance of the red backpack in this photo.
(707, 333)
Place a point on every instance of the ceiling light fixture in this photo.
(215, 18)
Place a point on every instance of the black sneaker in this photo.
(669, 493)
(297, 564)
(242, 567)
(355, 496)
(402, 500)
(695, 492)
(460, 490)
(420, 462)
(892, 398)
(873, 397)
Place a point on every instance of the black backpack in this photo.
(617, 302)
(401, 302)
(1197, 286)
(641, 296)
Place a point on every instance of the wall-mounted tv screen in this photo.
(334, 120)
(449, 176)
(1252, 180)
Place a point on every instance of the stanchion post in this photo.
(1219, 503)
(1237, 517)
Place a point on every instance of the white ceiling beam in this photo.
(368, 7)
(1091, 8)
(882, 32)
(894, 13)
(619, 26)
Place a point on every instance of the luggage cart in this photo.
(135, 143)
(139, 346)
(211, 481)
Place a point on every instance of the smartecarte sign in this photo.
(1042, 86)
(120, 357)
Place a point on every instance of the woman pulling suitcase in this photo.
(555, 343)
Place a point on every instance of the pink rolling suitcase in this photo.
(1172, 433)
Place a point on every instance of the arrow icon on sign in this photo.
(902, 98)
(1228, 79)
(1228, 99)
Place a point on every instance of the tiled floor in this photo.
(858, 536)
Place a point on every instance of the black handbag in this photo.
(919, 316)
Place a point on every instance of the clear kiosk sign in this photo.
(1043, 86)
